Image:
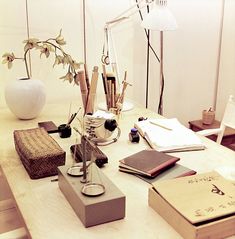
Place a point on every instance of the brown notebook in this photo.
(49, 126)
(148, 162)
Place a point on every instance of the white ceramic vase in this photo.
(25, 97)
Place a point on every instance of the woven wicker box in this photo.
(39, 152)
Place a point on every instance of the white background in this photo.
(191, 62)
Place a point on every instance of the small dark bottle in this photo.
(64, 130)
(134, 136)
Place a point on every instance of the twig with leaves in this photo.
(46, 47)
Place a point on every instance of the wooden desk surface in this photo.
(48, 214)
(12, 224)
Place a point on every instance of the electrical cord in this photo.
(147, 33)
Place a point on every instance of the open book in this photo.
(168, 135)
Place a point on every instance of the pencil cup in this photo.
(208, 117)
(64, 131)
(114, 110)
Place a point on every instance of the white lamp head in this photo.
(160, 18)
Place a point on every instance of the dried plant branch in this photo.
(46, 47)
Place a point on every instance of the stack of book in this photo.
(151, 165)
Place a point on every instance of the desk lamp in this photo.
(160, 19)
(109, 51)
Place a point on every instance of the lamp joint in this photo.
(162, 2)
(149, 1)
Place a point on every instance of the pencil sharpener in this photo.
(64, 130)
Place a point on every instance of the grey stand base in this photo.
(92, 211)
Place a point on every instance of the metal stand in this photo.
(160, 106)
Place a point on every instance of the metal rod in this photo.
(28, 35)
(122, 15)
(160, 108)
(84, 31)
(84, 159)
(218, 56)
(147, 71)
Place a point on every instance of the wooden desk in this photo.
(229, 134)
(45, 209)
(12, 224)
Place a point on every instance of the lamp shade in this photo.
(160, 18)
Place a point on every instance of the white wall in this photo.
(46, 18)
(227, 64)
(190, 59)
(190, 52)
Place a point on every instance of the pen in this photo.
(83, 86)
(73, 117)
(76, 129)
(92, 91)
(54, 180)
(159, 125)
(104, 76)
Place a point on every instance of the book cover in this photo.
(148, 162)
(168, 135)
(199, 198)
(175, 171)
(49, 126)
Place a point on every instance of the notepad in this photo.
(148, 162)
(168, 135)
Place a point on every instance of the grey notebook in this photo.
(175, 171)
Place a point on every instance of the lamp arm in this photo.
(111, 51)
(116, 20)
(122, 16)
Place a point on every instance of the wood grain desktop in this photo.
(46, 211)
(12, 224)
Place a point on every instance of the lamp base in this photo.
(126, 106)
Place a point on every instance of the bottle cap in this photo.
(134, 130)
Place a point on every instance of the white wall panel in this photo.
(227, 65)
(190, 52)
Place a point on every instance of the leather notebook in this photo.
(148, 162)
(49, 126)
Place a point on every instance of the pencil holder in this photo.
(208, 116)
(115, 110)
(64, 131)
